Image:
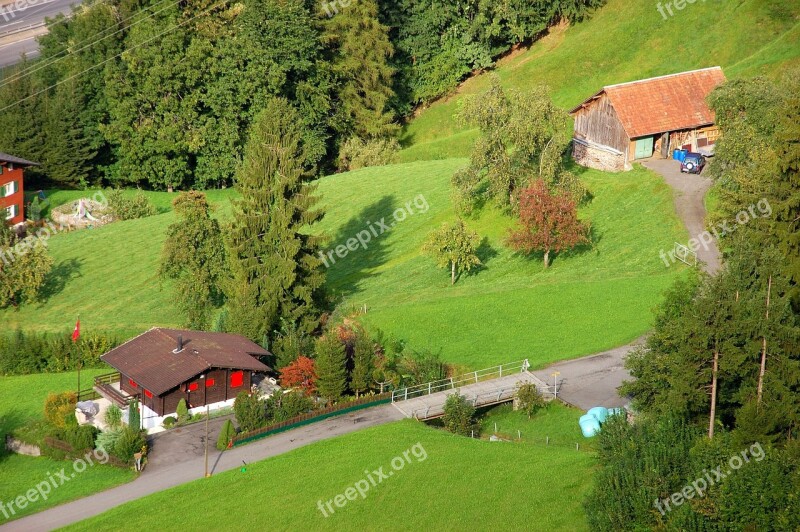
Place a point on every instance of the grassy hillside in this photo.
(510, 309)
(624, 41)
(22, 401)
(462, 484)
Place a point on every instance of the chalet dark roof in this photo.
(150, 360)
(6, 158)
(665, 103)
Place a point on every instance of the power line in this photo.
(54, 85)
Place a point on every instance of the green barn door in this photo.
(644, 148)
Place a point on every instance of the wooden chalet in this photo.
(163, 366)
(640, 119)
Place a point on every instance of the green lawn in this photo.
(463, 484)
(22, 401)
(624, 41)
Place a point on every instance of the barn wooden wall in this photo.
(598, 123)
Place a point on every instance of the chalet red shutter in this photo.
(193, 387)
(209, 383)
(237, 379)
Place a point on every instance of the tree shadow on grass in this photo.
(485, 253)
(62, 273)
(361, 245)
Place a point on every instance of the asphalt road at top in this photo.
(20, 15)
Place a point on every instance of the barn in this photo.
(651, 117)
(162, 366)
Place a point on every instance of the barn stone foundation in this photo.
(597, 157)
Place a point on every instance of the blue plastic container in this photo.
(599, 412)
(589, 425)
(679, 155)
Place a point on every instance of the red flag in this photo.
(77, 332)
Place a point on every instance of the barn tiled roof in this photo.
(665, 103)
(6, 158)
(150, 360)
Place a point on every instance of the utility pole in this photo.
(555, 375)
(207, 475)
(764, 346)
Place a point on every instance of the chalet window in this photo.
(209, 383)
(8, 189)
(237, 379)
(193, 387)
(148, 393)
(11, 211)
(133, 383)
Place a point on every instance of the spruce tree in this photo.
(275, 272)
(331, 368)
(363, 362)
(360, 50)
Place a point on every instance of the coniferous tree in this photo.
(360, 50)
(363, 362)
(274, 269)
(331, 368)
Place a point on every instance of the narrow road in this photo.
(690, 189)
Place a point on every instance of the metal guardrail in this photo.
(483, 399)
(22, 29)
(685, 255)
(495, 372)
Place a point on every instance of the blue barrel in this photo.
(599, 412)
(589, 425)
(679, 155)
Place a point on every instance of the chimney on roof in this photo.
(179, 348)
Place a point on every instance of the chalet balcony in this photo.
(107, 385)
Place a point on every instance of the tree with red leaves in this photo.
(547, 222)
(300, 374)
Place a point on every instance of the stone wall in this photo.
(599, 158)
(20, 447)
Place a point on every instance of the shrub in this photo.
(25, 352)
(529, 399)
(134, 417)
(107, 440)
(129, 442)
(250, 412)
(169, 421)
(124, 207)
(356, 153)
(289, 405)
(113, 417)
(183, 411)
(226, 434)
(59, 409)
(81, 438)
(459, 415)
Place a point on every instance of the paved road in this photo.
(26, 13)
(591, 381)
(179, 472)
(690, 189)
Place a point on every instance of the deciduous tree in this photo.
(547, 223)
(301, 373)
(454, 246)
(194, 256)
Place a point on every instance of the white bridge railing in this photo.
(452, 383)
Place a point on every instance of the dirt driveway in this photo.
(689, 191)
